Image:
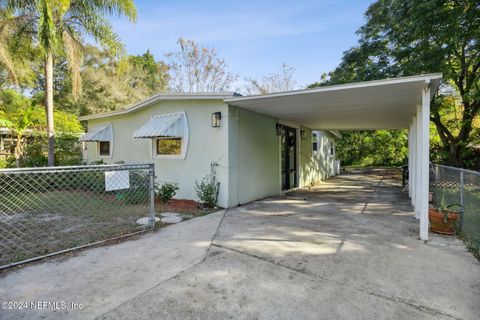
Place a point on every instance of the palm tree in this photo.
(59, 27)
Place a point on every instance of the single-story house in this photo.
(188, 136)
(262, 144)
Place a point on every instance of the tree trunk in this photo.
(49, 108)
(454, 154)
(18, 151)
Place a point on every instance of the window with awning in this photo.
(169, 134)
(103, 136)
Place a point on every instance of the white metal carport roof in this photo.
(398, 103)
(382, 104)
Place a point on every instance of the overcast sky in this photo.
(254, 37)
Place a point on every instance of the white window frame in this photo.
(315, 139)
(184, 149)
(331, 149)
(101, 155)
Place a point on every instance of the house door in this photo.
(289, 158)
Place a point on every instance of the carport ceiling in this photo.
(382, 104)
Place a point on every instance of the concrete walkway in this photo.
(346, 249)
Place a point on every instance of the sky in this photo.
(254, 37)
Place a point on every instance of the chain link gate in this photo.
(459, 186)
(46, 211)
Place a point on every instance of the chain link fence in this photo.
(46, 211)
(462, 187)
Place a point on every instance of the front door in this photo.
(289, 158)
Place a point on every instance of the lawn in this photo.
(33, 224)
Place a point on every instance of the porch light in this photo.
(280, 129)
(216, 117)
(303, 134)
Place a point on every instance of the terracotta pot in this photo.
(438, 224)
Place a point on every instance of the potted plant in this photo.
(443, 218)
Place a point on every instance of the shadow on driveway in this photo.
(346, 249)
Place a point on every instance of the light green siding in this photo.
(245, 148)
(255, 153)
(315, 166)
(205, 145)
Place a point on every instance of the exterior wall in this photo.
(254, 152)
(316, 166)
(245, 148)
(205, 145)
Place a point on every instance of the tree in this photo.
(404, 38)
(20, 119)
(145, 70)
(16, 53)
(24, 115)
(59, 27)
(110, 83)
(198, 69)
(373, 147)
(275, 82)
(19, 128)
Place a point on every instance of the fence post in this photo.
(152, 196)
(462, 202)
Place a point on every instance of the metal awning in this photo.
(98, 133)
(166, 125)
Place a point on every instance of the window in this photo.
(104, 148)
(169, 146)
(314, 142)
(332, 149)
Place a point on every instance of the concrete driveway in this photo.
(346, 249)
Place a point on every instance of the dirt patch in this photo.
(188, 207)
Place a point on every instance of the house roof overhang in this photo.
(162, 97)
(379, 104)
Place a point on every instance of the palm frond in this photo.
(120, 7)
(7, 61)
(100, 29)
(74, 52)
(8, 24)
(47, 34)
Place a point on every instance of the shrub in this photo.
(207, 191)
(166, 191)
(35, 155)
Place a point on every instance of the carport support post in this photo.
(411, 157)
(413, 180)
(409, 163)
(418, 160)
(424, 163)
